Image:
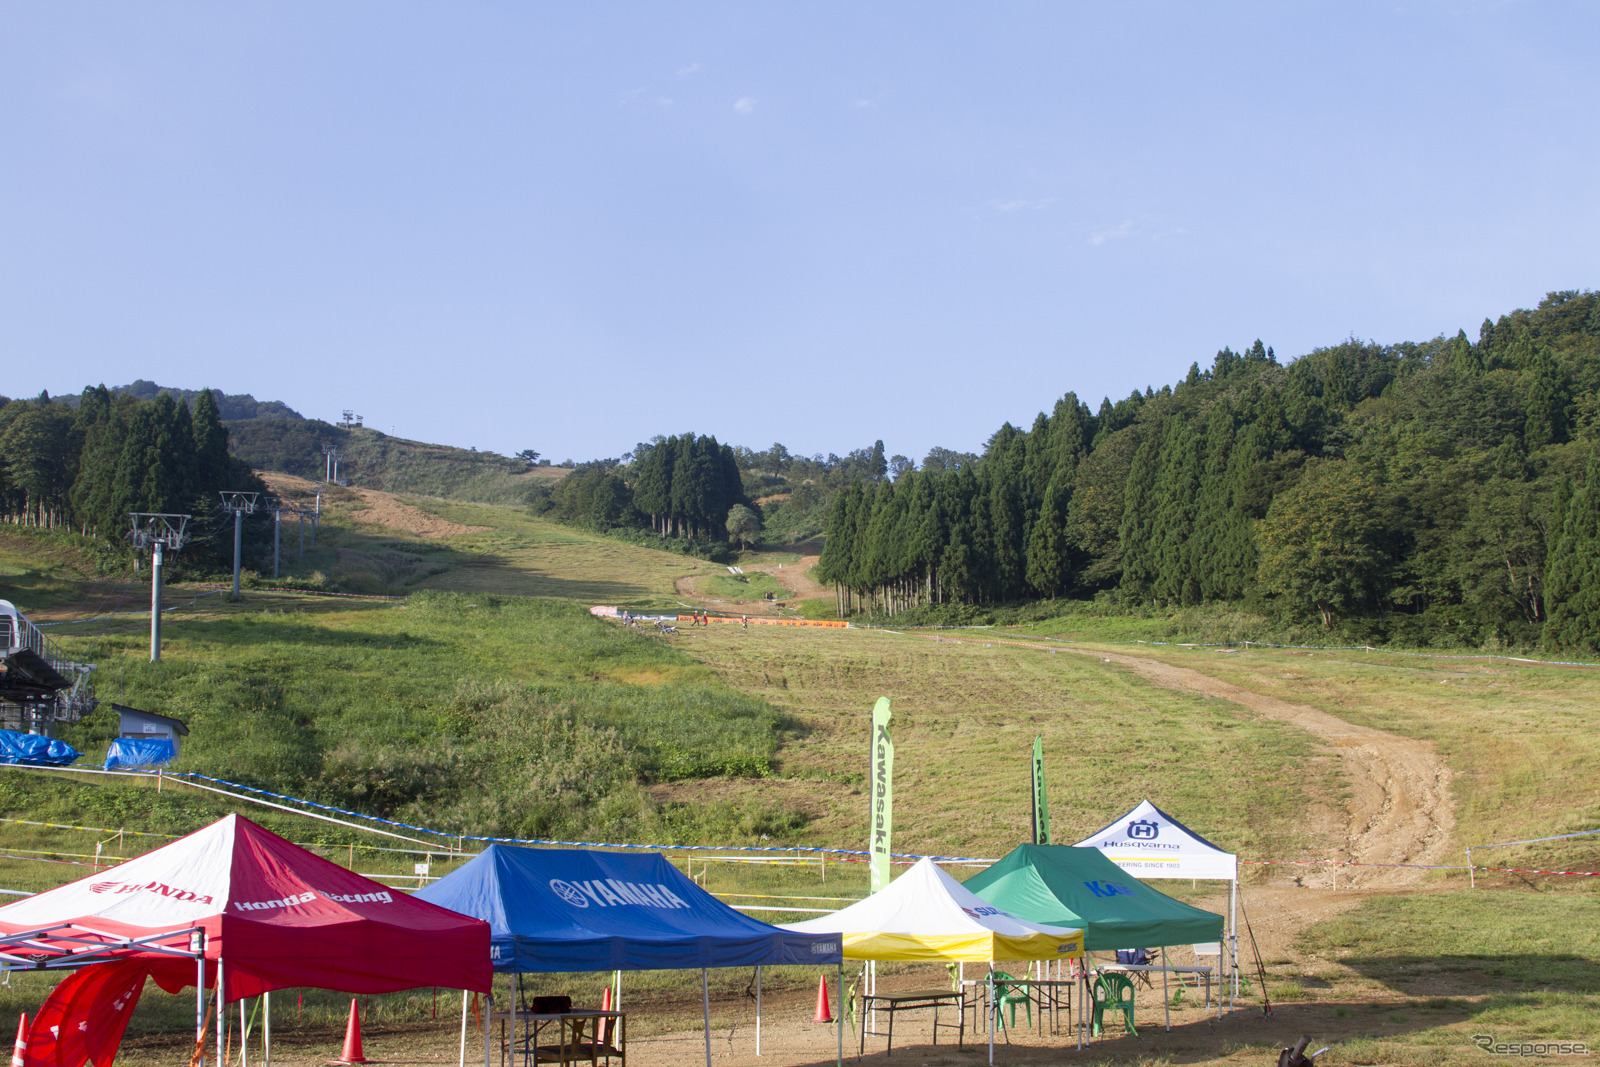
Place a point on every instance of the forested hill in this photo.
(1437, 490)
(231, 406)
(270, 435)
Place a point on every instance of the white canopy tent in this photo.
(926, 915)
(1149, 843)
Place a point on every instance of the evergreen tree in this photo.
(213, 466)
(1572, 568)
(1176, 495)
(1136, 535)
(1214, 508)
(1546, 403)
(1049, 552)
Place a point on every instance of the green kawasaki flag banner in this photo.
(881, 813)
(1041, 798)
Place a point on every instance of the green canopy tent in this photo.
(1061, 885)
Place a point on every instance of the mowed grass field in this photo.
(965, 717)
(1521, 739)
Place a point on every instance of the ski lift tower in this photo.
(239, 505)
(157, 531)
(39, 684)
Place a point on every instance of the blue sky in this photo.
(572, 226)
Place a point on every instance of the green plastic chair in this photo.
(1008, 995)
(1114, 992)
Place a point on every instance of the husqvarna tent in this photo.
(238, 903)
(577, 910)
(1149, 843)
(581, 910)
(1066, 886)
(927, 915)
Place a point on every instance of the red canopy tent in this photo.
(241, 901)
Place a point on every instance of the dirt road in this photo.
(792, 574)
(1400, 810)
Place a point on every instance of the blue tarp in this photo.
(577, 910)
(139, 752)
(18, 747)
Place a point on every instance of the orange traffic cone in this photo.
(19, 1051)
(824, 1015)
(603, 1028)
(352, 1038)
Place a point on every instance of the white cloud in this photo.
(745, 105)
(1008, 206)
(643, 97)
(1143, 228)
(684, 72)
(1118, 232)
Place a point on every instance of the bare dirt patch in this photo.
(372, 506)
(381, 509)
(793, 574)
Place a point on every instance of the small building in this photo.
(147, 725)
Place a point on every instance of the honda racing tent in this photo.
(236, 902)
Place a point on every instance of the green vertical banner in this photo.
(881, 812)
(1041, 796)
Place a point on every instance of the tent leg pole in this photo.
(200, 1009)
(463, 1028)
(244, 1039)
(705, 1004)
(838, 1019)
(488, 1024)
(266, 1029)
(990, 1009)
(222, 1018)
(758, 1011)
(1233, 946)
(1166, 996)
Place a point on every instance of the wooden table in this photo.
(913, 1000)
(569, 1046)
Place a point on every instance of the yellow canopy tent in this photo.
(927, 915)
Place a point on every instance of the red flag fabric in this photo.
(85, 1016)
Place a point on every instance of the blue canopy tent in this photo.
(579, 910)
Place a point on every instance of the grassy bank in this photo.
(471, 713)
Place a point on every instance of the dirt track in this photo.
(796, 577)
(376, 508)
(1401, 811)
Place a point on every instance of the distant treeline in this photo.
(85, 466)
(231, 406)
(1425, 490)
(694, 488)
(371, 459)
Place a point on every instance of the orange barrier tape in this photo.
(761, 620)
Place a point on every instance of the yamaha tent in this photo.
(237, 906)
(578, 910)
